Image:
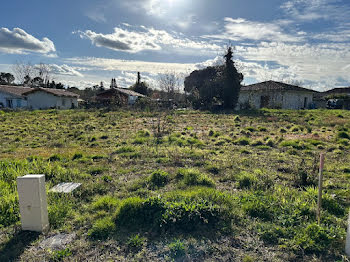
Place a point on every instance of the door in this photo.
(264, 101)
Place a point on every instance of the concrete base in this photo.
(33, 203)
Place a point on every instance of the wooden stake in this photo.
(320, 180)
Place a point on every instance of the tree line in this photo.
(214, 87)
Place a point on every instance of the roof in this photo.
(21, 91)
(15, 90)
(123, 91)
(340, 90)
(275, 86)
(55, 92)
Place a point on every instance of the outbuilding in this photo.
(272, 94)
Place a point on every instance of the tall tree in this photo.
(232, 82)
(215, 85)
(140, 87)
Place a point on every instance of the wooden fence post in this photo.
(320, 180)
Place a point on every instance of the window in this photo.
(305, 102)
(9, 103)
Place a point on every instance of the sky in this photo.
(85, 42)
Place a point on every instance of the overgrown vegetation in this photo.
(185, 185)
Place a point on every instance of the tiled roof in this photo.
(55, 92)
(342, 90)
(23, 91)
(14, 90)
(275, 86)
(123, 91)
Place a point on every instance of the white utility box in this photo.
(33, 203)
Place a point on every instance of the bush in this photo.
(243, 141)
(102, 228)
(177, 249)
(247, 180)
(317, 239)
(135, 243)
(193, 177)
(184, 211)
(159, 178)
(106, 203)
(343, 134)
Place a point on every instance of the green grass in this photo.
(192, 190)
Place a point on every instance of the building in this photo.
(119, 96)
(37, 98)
(272, 94)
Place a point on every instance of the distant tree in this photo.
(59, 86)
(37, 81)
(215, 85)
(41, 72)
(6, 78)
(169, 83)
(140, 87)
(27, 80)
(23, 72)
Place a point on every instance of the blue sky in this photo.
(86, 42)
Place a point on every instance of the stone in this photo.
(33, 203)
(57, 242)
(65, 187)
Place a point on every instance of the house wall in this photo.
(43, 100)
(277, 99)
(132, 100)
(17, 102)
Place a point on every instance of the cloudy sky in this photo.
(86, 42)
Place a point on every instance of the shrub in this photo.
(159, 178)
(106, 203)
(136, 213)
(102, 228)
(55, 157)
(77, 156)
(184, 211)
(213, 169)
(343, 134)
(257, 143)
(135, 243)
(316, 239)
(193, 177)
(243, 141)
(177, 249)
(246, 180)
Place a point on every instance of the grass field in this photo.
(179, 186)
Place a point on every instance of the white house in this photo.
(37, 98)
(271, 94)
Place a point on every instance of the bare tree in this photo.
(23, 71)
(33, 75)
(44, 72)
(170, 83)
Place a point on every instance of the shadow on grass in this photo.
(11, 250)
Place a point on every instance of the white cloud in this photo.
(308, 10)
(242, 29)
(18, 41)
(129, 65)
(64, 70)
(145, 38)
(318, 64)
